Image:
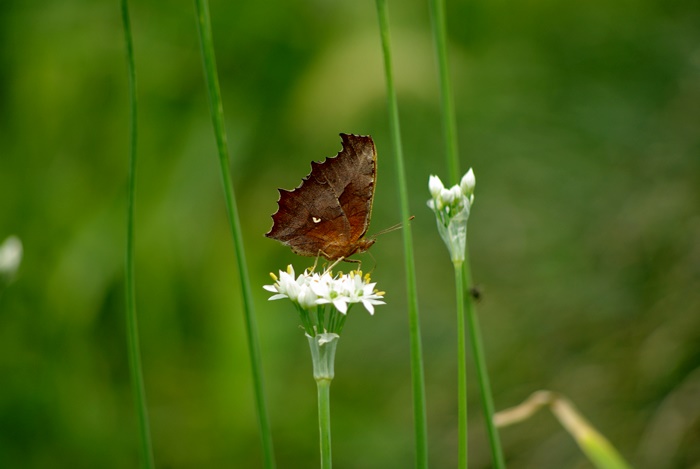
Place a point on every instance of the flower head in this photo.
(344, 290)
(309, 291)
(452, 207)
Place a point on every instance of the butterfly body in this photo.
(329, 213)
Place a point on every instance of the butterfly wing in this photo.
(330, 211)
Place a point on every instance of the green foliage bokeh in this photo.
(581, 123)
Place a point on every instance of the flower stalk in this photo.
(482, 374)
(132, 333)
(463, 450)
(452, 208)
(323, 301)
(420, 421)
(216, 109)
(323, 348)
(437, 13)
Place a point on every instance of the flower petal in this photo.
(341, 305)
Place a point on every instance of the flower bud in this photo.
(306, 298)
(435, 186)
(456, 192)
(447, 196)
(468, 183)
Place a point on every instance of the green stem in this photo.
(437, 9)
(217, 115)
(323, 348)
(132, 333)
(417, 372)
(461, 370)
(324, 421)
(449, 122)
(481, 371)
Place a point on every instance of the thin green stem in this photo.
(217, 115)
(417, 372)
(132, 332)
(481, 371)
(461, 371)
(324, 421)
(437, 10)
(449, 122)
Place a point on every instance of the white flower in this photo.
(306, 298)
(330, 291)
(446, 196)
(310, 290)
(435, 186)
(456, 193)
(360, 290)
(468, 183)
(349, 289)
(287, 286)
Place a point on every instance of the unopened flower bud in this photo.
(468, 183)
(446, 196)
(435, 186)
(456, 192)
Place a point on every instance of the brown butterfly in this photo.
(328, 214)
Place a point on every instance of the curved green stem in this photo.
(132, 332)
(417, 372)
(217, 115)
(481, 371)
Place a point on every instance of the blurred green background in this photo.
(580, 119)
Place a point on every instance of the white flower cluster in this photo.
(309, 290)
(454, 199)
(451, 207)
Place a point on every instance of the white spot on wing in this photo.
(316, 220)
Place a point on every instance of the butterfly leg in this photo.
(353, 261)
(337, 261)
(313, 269)
(373, 260)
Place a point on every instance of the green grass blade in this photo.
(481, 371)
(449, 121)
(217, 115)
(132, 333)
(417, 372)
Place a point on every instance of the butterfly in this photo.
(329, 213)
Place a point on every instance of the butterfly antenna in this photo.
(393, 228)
